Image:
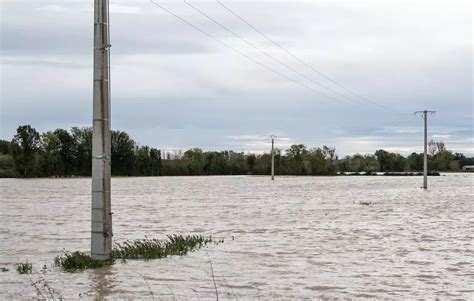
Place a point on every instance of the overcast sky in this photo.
(174, 87)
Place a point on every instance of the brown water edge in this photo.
(296, 237)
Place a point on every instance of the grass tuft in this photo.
(78, 261)
(24, 267)
(153, 248)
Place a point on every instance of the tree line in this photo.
(63, 153)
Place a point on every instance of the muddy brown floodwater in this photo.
(296, 237)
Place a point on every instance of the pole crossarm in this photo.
(424, 112)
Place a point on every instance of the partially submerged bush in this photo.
(24, 267)
(4, 269)
(78, 261)
(135, 249)
(153, 248)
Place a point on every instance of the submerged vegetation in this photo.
(24, 267)
(78, 261)
(145, 249)
(153, 248)
(63, 153)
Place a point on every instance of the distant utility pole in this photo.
(424, 114)
(273, 137)
(101, 228)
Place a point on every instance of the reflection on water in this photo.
(102, 281)
(300, 237)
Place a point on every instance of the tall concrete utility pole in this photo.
(101, 228)
(424, 114)
(272, 137)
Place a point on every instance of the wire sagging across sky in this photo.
(243, 54)
(345, 99)
(268, 54)
(314, 69)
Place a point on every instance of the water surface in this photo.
(296, 237)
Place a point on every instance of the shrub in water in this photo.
(153, 248)
(78, 261)
(136, 249)
(24, 267)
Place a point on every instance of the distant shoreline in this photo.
(391, 174)
(361, 174)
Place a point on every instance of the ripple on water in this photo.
(295, 238)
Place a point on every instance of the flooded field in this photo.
(296, 237)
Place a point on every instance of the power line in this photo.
(398, 120)
(245, 55)
(266, 53)
(302, 61)
(249, 57)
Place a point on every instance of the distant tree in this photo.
(359, 164)
(123, 154)
(440, 157)
(263, 164)
(4, 147)
(279, 162)
(415, 162)
(83, 140)
(24, 148)
(7, 166)
(67, 152)
(237, 163)
(195, 161)
(215, 163)
(459, 156)
(156, 163)
(175, 167)
(143, 162)
(296, 155)
(442, 160)
(251, 160)
(315, 162)
(463, 160)
(383, 158)
(51, 162)
(435, 148)
(399, 163)
(390, 162)
(330, 158)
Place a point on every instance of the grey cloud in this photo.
(44, 62)
(174, 87)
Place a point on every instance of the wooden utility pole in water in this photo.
(272, 137)
(425, 154)
(101, 228)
